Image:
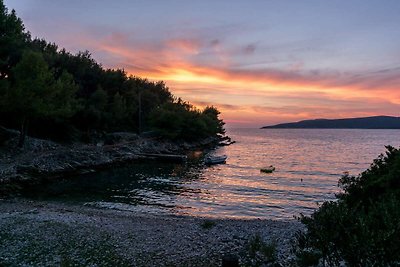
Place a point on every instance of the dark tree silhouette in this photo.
(47, 85)
(37, 94)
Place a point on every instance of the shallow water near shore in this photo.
(308, 164)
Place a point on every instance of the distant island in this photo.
(375, 122)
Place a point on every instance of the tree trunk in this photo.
(22, 134)
(140, 111)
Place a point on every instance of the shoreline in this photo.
(51, 233)
(43, 160)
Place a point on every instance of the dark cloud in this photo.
(249, 49)
(214, 42)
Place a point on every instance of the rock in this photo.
(43, 159)
(29, 169)
(119, 137)
(6, 135)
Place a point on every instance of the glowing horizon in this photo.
(311, 61)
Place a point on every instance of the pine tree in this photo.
(13, 40)
(36, 93)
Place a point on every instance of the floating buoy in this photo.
(269, 169)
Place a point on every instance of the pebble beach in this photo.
(38, 233)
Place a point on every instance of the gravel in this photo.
(43, 233)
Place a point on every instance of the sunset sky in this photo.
(259, 62)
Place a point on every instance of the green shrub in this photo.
(258, 247)
(362, 227)
(208, 224)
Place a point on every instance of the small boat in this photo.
(210, 160)
(268, 169)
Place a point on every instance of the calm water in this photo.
(308, 165)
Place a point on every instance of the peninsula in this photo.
(375, 122)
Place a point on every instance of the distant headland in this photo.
(375, 122)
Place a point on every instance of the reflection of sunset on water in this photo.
(308, 165)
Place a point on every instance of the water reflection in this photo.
(308, 165)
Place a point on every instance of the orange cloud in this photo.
(255, 96)
(184, 45)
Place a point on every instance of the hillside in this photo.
(376, 122)
(50, 93)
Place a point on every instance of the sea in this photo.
(308, 165)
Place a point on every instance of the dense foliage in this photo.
(180, 120)
(64, 96)
(361, 228)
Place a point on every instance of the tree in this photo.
(362, 227)
(4, 85)
(118, 109)
(216, 125)
(36, 93)
(49, 85)
(95, 110)
(13, 40)
(63, 103)
(180, 120)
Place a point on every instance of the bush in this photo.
(262, 252)
(362, 227)
(207, 224)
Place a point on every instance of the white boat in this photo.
(215, 159)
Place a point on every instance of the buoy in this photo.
(269, 169)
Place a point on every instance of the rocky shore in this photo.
(35, 233)
(42, 159)
(46, 233)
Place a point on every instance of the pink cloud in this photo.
(289, 94)
(185, 45)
